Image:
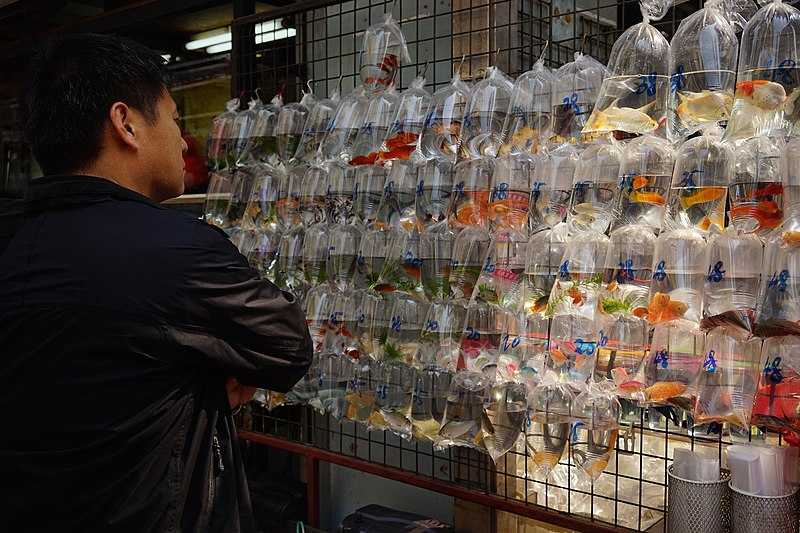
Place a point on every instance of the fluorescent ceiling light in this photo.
(217, 48)
(209, 38)
(219, 40)
(275, 35)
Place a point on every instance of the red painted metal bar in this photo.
(312, 490)
(497, 502)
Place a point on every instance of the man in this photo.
(121, 321)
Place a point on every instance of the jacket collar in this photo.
(54, 191)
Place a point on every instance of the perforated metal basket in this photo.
(757, 514)
(699, 506)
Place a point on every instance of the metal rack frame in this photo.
(512, 35)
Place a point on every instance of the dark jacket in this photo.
(10, 219)
(119, 321)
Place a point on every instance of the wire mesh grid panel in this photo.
(630, 495)
(443, 36)
(468, 36)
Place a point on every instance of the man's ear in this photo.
(123, 124)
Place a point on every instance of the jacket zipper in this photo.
(218, 455)
(217, 467)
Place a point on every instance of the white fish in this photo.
(705, 106)
(627, 119)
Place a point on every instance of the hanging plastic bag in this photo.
(527, 124)
(428, 402)
(339, 200)
(679, 271)
(442, 127)
(480, 340)
(732, 283)
(344, 127)
(756, 191)
(383, 49)
(469, 202)
(594, 184)
(703, 169)
(315, 126)
(509, 202)
(289, 129)
(767, 82)
(500, 281)
(433, 194)
(381, 107)
(727, 383)
(440, 339)
(594, 433)
(671, 367)
(634, 95)
(551, 187)
(217, 145)
(703, 55)
(289, 274)
(779, 298)
(398, 205)
(344, 241)
(469, 256)
(287, 206)
(576, 86)
(506, 413)
(628, 274)
(397, 377)
(436, 250)
(315, 254)
(485, 114)
(263, 142)
(464, 417)
(645, 177)
(372, 253)
(406, 125)
(574, 332)
(401, 269)
(777, 401)
(623, 305)
(547, 427)
(542, 261)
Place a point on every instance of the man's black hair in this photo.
(72, 83)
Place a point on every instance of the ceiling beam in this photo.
(116, 19)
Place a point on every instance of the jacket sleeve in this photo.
(247, 326)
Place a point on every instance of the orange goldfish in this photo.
(412, 270)
(790, 238)
(639, 182)
(400, 152)
(771, 189)
(401, 139)
(580, 361)
(647, 198)
(662, 308)
(664, 390)
(558, 357)
(767, 95)
(766, 213)
(706, 195)
(577, 297)
(611, 287)
(540, 304)
(364, 159)
(639, 312)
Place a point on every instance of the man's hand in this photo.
(238, 394)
